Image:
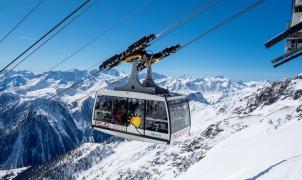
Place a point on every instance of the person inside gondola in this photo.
(98, 116)
(107, 106)
(97, 105)
(118, 115)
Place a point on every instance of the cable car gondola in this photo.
(293, 36)
(141, 111)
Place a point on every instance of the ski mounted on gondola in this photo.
(293, 36)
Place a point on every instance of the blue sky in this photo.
(235, 51)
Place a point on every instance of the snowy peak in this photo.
(197, 96)
(213, 89)
(282, 90)
(30, 85)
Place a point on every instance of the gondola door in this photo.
(136, 116)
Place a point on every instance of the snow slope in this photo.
(35, 128)
(269, 147)
(258, 152)
(138, 160)
(254, 133)
(10, 174)
(250, 132)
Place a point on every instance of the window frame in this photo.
(161, 120)
(144, 118)
(173, 103)
(94, 113)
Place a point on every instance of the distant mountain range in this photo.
(35, 129)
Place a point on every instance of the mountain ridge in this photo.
(210, 97)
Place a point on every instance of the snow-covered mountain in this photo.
(212, 88)
(240, 130)
(35, 128)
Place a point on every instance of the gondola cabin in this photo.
(293, 36)
(140, 116)
(141, 111)
(294, 41)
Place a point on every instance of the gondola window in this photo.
(156, 117)
(103, 109)
(136, 108)
(119, 113)
(179, 113)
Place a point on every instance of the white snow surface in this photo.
(258, 152)
(12, 173)
(266, 146)
(228, 141)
